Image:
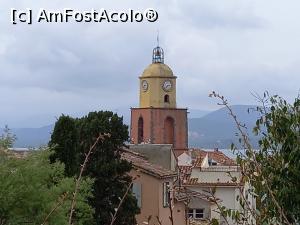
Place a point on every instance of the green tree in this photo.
(105, 165)
(31, 187)
(273, 170)
(7, 139)
(279, 154)
(64, 142)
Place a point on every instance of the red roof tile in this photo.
(214, 184)
(145, 166)
(182, 194)
(215, 155)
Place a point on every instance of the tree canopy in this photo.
(71, 140)
(279, 155)
(273, 170)
(31, 187)
(7, 138)
(64, 142)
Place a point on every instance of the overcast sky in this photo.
(234, 47)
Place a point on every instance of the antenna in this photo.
(157, 37)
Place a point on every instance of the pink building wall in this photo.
(152, 201)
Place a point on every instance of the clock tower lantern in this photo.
(158, 120)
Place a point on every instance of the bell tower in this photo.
(158, 120)
(157, 83)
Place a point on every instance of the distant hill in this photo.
(197, 113)
(210, 130)
(217, 129)
(32, 137)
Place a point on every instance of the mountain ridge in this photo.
(215, 129)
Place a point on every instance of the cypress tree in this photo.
(64, 143)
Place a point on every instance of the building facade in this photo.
(152, 187)
(210, 172)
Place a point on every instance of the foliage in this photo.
(65, 133)
(279, 154)
(272, 172)
(105, 165)
(7, 139)
(31, 187)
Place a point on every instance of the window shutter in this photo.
(166, 194)
(137, 192)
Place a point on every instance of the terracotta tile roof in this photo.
(185, 169)
(217, 156)
(187, 180)
(140, 162)
(128, 150)
(191, 181)
(185, 175)
(183, 194)
(213, 184)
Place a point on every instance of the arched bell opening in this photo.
(140, 130)
(158, 55)
(169, 130)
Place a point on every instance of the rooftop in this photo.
(214, 161)
(158, 70)
(219, 157)
(140, 162)
(183, 194)
(158, 154)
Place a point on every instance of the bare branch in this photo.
(101, 137)
(114, 217)
(59, 203)
(248, 146)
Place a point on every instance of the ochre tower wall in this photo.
(154, 96)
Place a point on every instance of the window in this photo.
(167, 99)
(137, 193)
(212, 162)
(140, 130)
(169, 130)
(191, 213)
(199, 213)
(196, 213)
(166, 194)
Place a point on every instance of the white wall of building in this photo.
(212, 174)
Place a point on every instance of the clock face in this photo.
(167, 85)
(144, 85)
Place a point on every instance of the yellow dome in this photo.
(158, 70)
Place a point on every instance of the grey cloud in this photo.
(217, 14)
(69, 61)
(231, 47)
